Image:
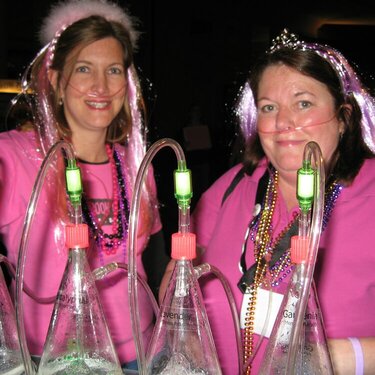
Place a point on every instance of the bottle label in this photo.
(264, 298)
(182, 318)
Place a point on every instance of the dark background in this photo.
(193, 57)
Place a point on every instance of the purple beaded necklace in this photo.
(108, 243)
(282, 268)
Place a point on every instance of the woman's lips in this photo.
(98, 105)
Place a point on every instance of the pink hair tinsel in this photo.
(64, 14)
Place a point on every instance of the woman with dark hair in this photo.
(82, 88)
(296, 93)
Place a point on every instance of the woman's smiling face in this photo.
(93, 90)
(294, 109)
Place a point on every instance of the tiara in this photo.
(285, 40)
(351, 85)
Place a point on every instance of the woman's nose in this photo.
(99, 84)
(285, 120)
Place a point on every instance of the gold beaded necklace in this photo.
(262, 255)
(261, 241)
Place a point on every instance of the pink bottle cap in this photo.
(76, 235)
(183, 246)
(299, 248)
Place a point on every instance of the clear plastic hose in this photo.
(26, 289)
(101, 272)
(29, 367)
(133, 224)
(208, 268)
(184, 219)
(312, 149)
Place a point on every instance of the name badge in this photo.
(264, 299)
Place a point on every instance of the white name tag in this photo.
(264, 298)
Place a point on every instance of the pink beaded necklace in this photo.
(115, 199)
(109, 243)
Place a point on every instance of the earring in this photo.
(61, 102)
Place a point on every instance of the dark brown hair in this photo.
(351, 150)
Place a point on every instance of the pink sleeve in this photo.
(7, 190)
(18, 169)
(16, 176)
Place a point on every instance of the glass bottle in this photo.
(78, 339)
(312, 352)
(182, 341)
(11, 362)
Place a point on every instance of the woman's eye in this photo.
(304, 104)
(82, 69)
(267, 108)
(115, 70)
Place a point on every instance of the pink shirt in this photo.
(46, 252)
(344, 274)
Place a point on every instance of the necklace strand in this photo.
(109, 243)
(263, 246)
(261, 242)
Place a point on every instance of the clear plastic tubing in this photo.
(207, 268)
(133, 224)
(29, 368)
(183, 219)
(12, 272)
(101, 272)
(311, 149)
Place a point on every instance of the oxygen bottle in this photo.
(298, 344)
(312, 352)
(11, 362)
(78, 340)
(182, 341)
